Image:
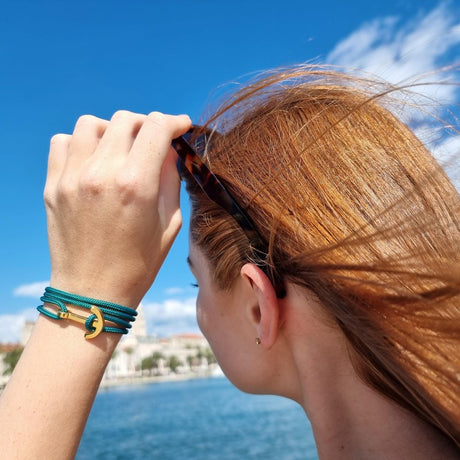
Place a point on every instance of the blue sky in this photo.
(61, 60)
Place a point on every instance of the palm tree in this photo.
(191, 361)
(152, 361)
(174, 363)
(157, 357)
(147, 364)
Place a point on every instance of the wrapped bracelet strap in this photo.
(101, 311)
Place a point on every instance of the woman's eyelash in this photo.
(195, 285)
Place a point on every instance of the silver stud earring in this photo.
(258, 341)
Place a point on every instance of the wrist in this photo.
(102, 316)
(111, 291)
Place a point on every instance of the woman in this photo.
(334, 283)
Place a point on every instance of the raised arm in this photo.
(112, 201)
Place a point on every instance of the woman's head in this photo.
(353, 208)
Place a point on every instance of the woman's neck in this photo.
(357, 422)
(350, 419)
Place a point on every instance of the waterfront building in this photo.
(180, 355)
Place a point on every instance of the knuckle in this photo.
(85, 120)
(157, 118)
(127, 187)
(122, 115)
(91, 183)
(65, 188)
(122, 121)
(48, 196)
(62, 193)
(59, 138)
(89, 124)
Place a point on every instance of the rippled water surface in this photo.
(198, 419)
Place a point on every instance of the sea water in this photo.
(203, 419)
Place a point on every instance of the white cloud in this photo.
(11, 325)
(401, 53)
(413, 52)
(447, 153)
(35, 290)
(407, 53)
(170, 317)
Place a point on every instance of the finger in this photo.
(168, 204)
(169, 190)
(153, 141)
(85, 138)
(57, 158)
(120, 133)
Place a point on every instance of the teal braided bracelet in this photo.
(101, 311)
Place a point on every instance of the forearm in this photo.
(112, 201)
(48, 399)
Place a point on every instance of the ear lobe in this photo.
(266, 313)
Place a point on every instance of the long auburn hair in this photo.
(355, 208)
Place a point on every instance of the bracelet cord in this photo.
(118, 314)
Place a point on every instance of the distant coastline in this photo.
(139, 358)
(146, 379)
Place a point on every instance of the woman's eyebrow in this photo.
(189, 262)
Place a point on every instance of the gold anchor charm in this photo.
(98, 323)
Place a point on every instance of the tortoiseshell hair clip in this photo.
(190, 148)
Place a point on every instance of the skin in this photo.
(112, 200)
(304, 356)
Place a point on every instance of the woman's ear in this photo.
(265, 312)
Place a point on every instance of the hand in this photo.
(112, 202)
